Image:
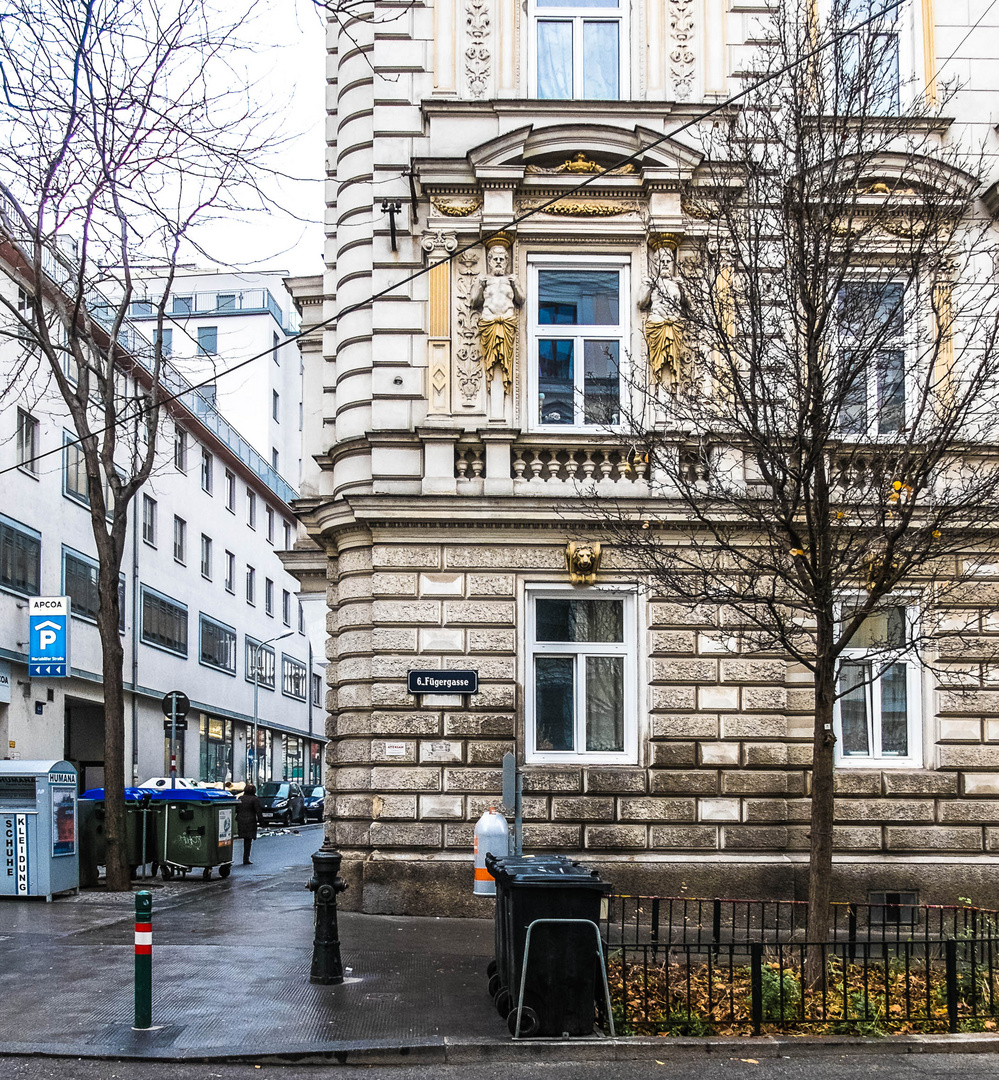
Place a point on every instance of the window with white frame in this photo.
(269, 597)
(879, 706)
(867, 68)
(578, 339)
(27, 441)
(872, 350)
(230, 491)
(179, 539)
(206, 557)
(582, 685)
(180, 450)
(149, 520)
(251, 509)
(579, 49)
(74, 470)
(207, 470)
(230, 572)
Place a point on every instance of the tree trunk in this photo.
(820, 856)
(119, 877)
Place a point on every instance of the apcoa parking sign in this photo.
(48, 637)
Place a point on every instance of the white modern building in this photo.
(203, 591)
(218, 322)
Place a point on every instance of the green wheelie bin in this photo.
(93, 840)
(193, 828)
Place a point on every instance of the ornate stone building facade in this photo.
(438, 484)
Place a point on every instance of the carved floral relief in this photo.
(477, 55)
(467, 356)
(681, 56)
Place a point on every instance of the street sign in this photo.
(443, 682)
(181, 725)
(177, 703)
(48, 637)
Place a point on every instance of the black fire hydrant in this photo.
(327, 967)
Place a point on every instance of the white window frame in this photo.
(910, 327)
(540, 12)
(579, 333)
(27, 443)
(206, 557)
(629, 649)
(914, 703)
(912, 76)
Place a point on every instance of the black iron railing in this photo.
(673, 920)
(756, 987)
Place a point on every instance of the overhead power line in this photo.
(129, 416)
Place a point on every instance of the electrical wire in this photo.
(719, 107)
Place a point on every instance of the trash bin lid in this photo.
(132, 794)
(551, 871)
(202, 795)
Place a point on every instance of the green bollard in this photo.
(143, 960)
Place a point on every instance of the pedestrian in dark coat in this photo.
(249, 813)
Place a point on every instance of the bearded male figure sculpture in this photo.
(497, 296)
(662, 298)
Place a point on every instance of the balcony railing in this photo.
(244, 302)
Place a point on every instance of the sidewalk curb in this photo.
(446, 1050)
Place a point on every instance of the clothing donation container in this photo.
(39, 853)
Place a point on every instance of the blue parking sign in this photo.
(48, 637)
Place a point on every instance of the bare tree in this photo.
(819, 414)
(125, 124)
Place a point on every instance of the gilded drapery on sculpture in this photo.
(496, 297)
(662, 298)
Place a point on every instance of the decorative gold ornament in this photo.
(503, 239)
(579, 208)
(582, 560)
(582, 164)
(702, 209)
(456, 208)
(659, 240)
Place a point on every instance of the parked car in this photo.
(282, 801)
(314, 796)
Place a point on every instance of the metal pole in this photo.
(173, 740)
(256, 683)
(143, 959)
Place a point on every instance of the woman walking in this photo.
(248, 815)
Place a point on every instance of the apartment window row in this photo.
(580, 51)
(582, 702)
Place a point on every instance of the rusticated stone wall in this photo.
(719, 802)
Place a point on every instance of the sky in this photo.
(287, 65)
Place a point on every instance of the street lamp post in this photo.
(256, 687)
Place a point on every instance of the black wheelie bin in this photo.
(563, 969)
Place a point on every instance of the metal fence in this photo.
(754, 988)
(681, 920)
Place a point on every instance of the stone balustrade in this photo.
(556, 465)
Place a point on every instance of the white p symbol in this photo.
(46, 638)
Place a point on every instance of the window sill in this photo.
(563, 757)
(25, 471)
(870, 763)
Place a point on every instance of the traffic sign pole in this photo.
(176, 706)
(173, 740)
